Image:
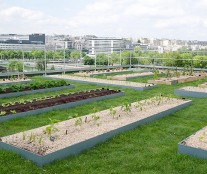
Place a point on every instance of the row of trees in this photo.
(137, 56)
(175, 59)
(39, 54)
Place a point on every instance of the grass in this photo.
(149, 149)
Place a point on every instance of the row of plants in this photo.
(48, 101)
(34, 85)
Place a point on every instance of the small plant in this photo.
(40, 140)
(126, 106)
(78, 121)
(2, 113)
(112, 112)
(51, 128)
(13, 111)
(23, 136)
(156, 72)
(139, 106)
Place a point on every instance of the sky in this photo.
(173, 19)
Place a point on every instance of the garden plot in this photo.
(33, 88)
(23, 108)
(130, 76)
(122, 84)
(191, 91)
(13, 81)
(195, 145)
(179, 79)
(59, 140)
(99, 72)
(204, 85)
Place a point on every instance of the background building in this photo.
(18, 42)
(104, 45)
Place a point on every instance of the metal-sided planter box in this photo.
(163, 82)
(88, 143)
(130, 76)
(183, 148)
(195, 94)
(15, 82)
(57, 107)
(148, 86)
(15, 94)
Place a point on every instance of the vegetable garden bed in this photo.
(23, 108)
(122, 84)
(99, 72)
(204, 85)
(33, 87)
(191, 91)
(130, 76)
(180, 79)
(195, 145)
(59, 140)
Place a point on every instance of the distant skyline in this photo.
(173, 19)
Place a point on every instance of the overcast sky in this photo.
(179, 19)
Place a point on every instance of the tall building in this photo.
(18, 42)
(104, 45)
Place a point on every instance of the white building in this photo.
(104, 45)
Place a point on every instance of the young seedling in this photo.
(13, 111)
(78, 121)
(2, 113)
(51, 128)
(112, 112)
(126, 107)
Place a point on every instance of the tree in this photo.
(15, 66)
(88, 61)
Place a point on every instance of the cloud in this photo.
(147, 18)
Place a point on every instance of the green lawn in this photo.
(148, 149)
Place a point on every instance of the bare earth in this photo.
(198, 140)
(88, 74)
(108, 120)
(125, 76)
(114, 82)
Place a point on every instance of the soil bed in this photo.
(24, 106)
(122, 84)
(175, 80)
(204, 85)
(195, 145)
(99, 72)
(130, 76)
(84, 132)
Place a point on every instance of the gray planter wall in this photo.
(87, 144)
(106, 84)
(15, 94)
(180, 92)
(57, 107)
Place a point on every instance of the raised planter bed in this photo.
(95, 73)
(174, 80)
(103, 82)
(204, 85)
(191, 91)
(10, 82)
(15, 94)
(195, 145)
(78, 134)
(130, 76)
(11, 111)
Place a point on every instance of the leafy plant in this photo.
(126, 106)
(51, 128)
(78, 121)
(112, 112)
